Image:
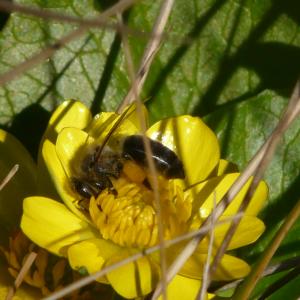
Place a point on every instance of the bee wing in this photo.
(104, 122)
(107, 124)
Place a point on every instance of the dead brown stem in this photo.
(25, 268)
(9, 176)
(149, 53)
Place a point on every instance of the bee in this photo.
(103, 163)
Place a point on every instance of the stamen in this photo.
(128, 218)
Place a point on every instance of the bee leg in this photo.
(110, 187)
(113, 191)
(86, 190)
(83, 188)
(83, 204)
(147, 184)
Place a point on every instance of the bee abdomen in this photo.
(165, 160)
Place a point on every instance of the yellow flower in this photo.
(93, 233)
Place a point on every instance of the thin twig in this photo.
(289, 116)
(134, 95)
(94, 22)
(88, 279)
(149, 157)
(9, 176)
(24, 270)
(245, 289)
(205, 279)
(40, 57)
(149, 53)
(127, 51)
(50, 50)
(51, 15)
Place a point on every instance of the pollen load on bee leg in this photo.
(134, 172)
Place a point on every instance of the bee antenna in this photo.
(111, 131)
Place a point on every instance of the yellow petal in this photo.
(51, 225)
(21, 185)
(70, 113)
(194, 143)
(182, 287)
(229, 268)
(70, 145)
(248, 231)
(134, 118)
(101, 123)
(226, 167)
(104, 122)
(214, 189)
(133, 279)
(91, 254)
(60, 179)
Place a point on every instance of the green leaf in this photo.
(214, 52)
(81, 70)
(242, 128)
(289, 291)
(224, 51)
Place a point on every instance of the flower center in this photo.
(129, 218)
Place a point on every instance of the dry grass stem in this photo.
(206, 268)
(255, 167)
(244, 291)
(25, 268)
(149, 53)
(9, 176)
(50, 50)
(40, 57)
(273, 141)
(149, 157)
(134, 95)
(153, 172)
(50, 15)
